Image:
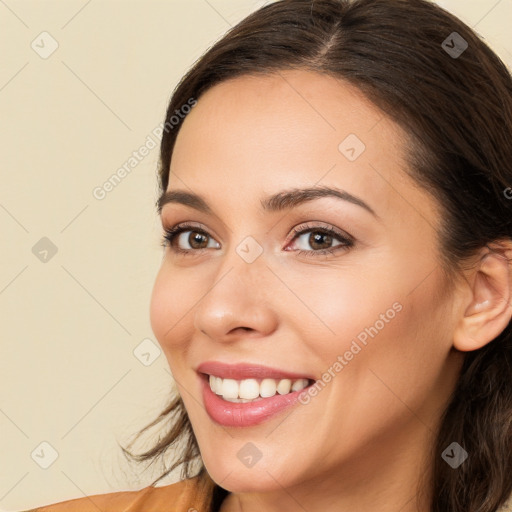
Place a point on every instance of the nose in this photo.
(238, 301)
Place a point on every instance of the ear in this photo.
(489, 309)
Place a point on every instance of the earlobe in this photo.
(490, 309)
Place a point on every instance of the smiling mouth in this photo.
(251, 390)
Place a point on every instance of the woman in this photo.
(335, 297)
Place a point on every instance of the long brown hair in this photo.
(455, 103)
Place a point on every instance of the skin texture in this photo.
(363, 442)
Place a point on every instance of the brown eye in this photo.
(197, 240)
(187, 239)
(320, 240)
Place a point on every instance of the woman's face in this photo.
(371, 321)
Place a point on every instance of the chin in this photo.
(237, 478)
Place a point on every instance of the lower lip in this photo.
(231, 414)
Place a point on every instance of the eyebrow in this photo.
(280, 201)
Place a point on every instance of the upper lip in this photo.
(241, 371)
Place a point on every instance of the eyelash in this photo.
(170, 235)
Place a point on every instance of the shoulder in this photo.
(178, 497)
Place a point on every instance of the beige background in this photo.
(72, 320)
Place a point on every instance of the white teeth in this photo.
(284, 386)
(299, 384)
(240, 400)
(229, 388)
(268, 388)
(248, 390)
(218, 385)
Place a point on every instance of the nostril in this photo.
(247, 329)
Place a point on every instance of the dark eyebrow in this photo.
(280, 201)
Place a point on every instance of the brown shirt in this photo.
(183, 496)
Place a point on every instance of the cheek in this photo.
(404, 358)
(378, 317)
(381, 292)
(341, 305)
(168, 309)
(391, 364)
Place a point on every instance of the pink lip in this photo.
(230, 414)
(242, 371)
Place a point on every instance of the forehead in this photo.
(252, 135)
(289, 114)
